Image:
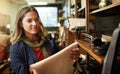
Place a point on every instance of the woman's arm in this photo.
(18, 63)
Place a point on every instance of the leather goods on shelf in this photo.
(102, 49)
(97, 42)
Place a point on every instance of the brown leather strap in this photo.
(110, 56)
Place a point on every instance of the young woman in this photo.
(29, 42)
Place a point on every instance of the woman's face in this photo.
(30, 23)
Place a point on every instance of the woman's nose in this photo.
(33, 22)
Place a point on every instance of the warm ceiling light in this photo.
(8, 26)
(37, 3)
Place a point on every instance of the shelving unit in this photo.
(76, 20)
(90, 11)
(112, 9)
(76, 8)
(61, 18)
(94, 12)
(97, 16)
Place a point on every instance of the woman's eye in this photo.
(29, 21)
(36, 19)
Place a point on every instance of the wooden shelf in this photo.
(112, 9)
(90, 49)
(81, 12)
(94, 6)
(61, 18)
(82, 8)
(78, 1)
(61, 11)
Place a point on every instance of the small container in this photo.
(103, 3)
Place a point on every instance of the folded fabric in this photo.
(59, 63)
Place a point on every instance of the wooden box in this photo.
(115, 1)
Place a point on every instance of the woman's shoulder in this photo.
(18, 44)
(14, 48)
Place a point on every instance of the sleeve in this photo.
(18, 63)
(55, 46)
